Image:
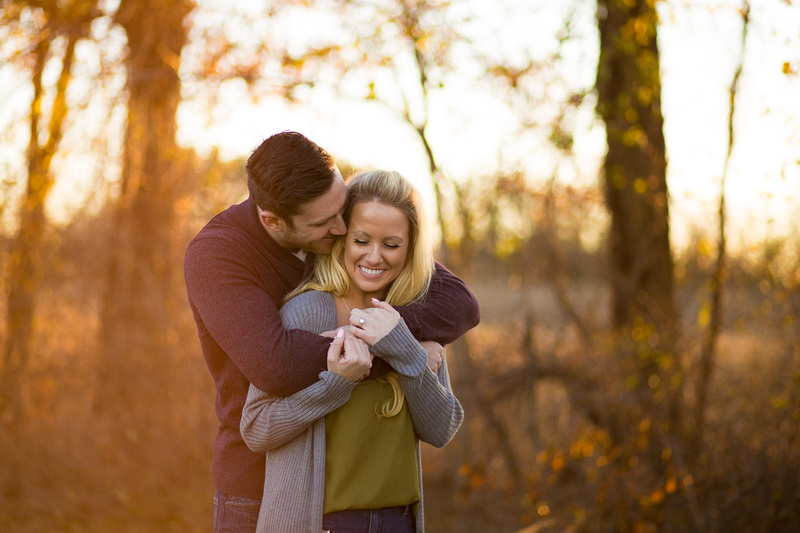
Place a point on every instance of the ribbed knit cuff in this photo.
(336, 384)
(402, 351)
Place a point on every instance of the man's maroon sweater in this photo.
(236, 280)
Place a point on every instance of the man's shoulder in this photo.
(219, 238)
(227, 222)
(230, 231)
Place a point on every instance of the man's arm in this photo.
(237, 316)
(448, 311)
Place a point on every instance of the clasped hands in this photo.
(349, 354)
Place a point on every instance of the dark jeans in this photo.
(235, 514)
(388, 520)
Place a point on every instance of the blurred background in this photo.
(618, 181)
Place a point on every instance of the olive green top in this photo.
(371, 461)
(291, 431)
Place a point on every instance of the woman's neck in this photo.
(354, 299)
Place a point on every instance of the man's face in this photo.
(318, 222)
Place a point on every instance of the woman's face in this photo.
(376, 247)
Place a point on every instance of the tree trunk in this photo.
(27, 247)
(708, 353)
(138, 304)
(644, 316)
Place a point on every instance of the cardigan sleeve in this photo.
(435, 411)
(438, 420)
(270, 421)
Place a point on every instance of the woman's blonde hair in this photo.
(330, 275)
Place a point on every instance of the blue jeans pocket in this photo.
(235, 514)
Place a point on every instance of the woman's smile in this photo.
(371, 271)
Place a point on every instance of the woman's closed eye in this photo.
(364, 242)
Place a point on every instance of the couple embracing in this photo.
(322, 317)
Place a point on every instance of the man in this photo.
(238, 270)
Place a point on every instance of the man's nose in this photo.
(338, 227)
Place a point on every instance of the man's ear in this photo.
(272, 221)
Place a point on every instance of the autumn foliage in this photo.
(617, 383)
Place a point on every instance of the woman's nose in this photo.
(373, 255)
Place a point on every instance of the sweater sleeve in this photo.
(238, 316)
(448, 311)
(435, 411)
(270, 421)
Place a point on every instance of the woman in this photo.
(345, 451)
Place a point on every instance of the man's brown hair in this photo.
(286, 171)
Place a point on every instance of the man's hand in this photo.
(373, 324)
(435, 353)
(349, 357)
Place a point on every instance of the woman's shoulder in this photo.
(312, 311)
(309, 299)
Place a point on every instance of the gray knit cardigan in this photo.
(291, 431)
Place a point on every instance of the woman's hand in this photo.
(373, 324)
(349, 357)
(332, 333)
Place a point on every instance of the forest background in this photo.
(637, 367)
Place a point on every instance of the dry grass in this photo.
(87, 472)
